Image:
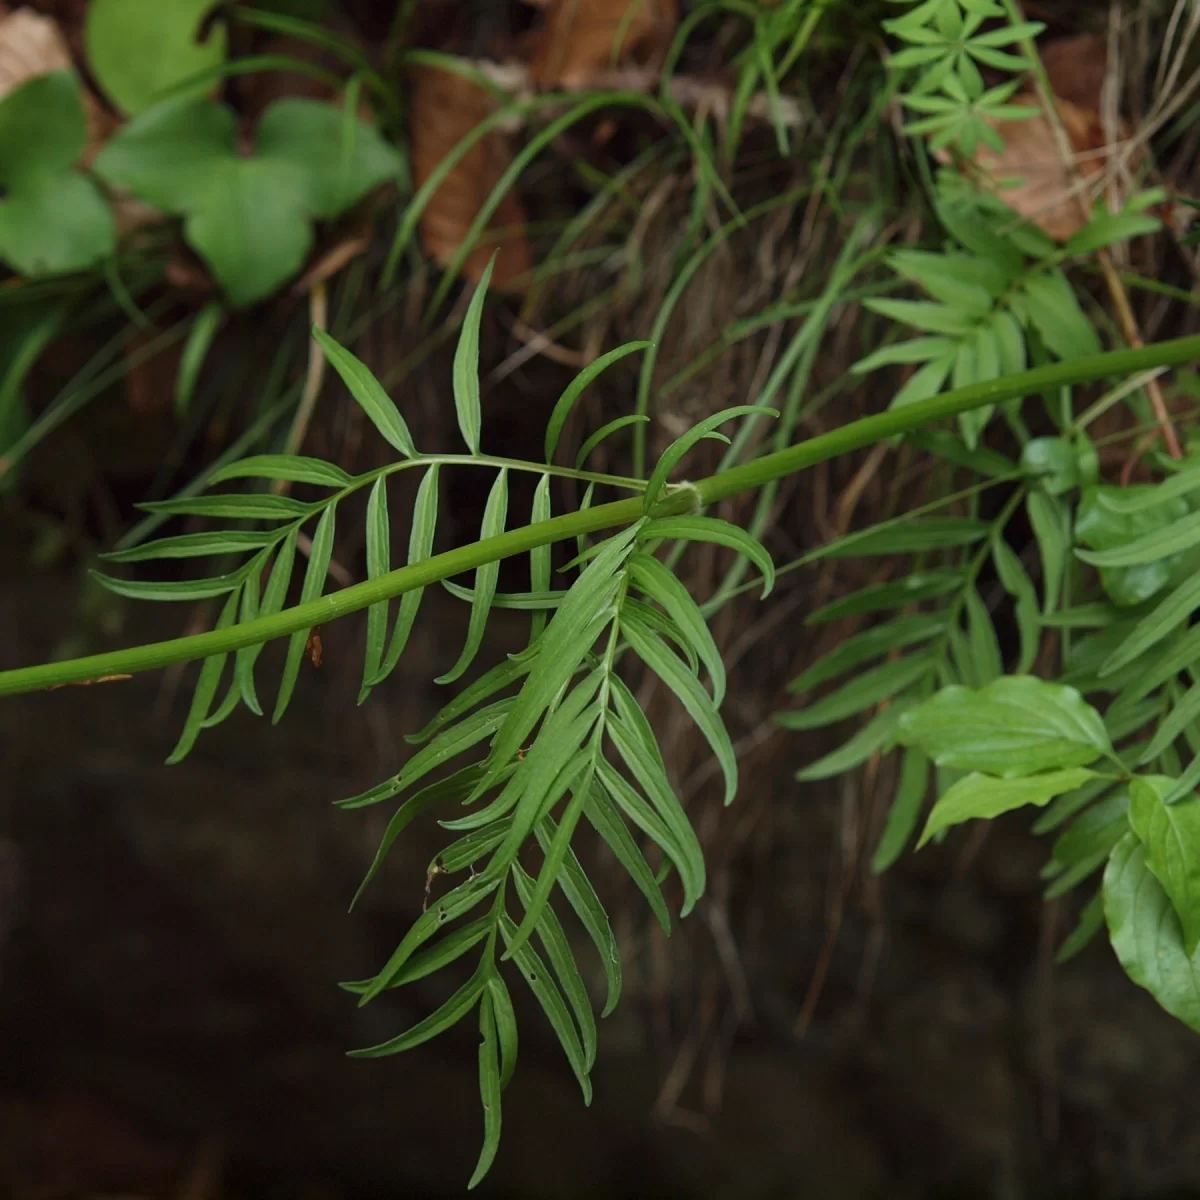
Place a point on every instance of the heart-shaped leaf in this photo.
(250, 219)
(138, 49)
(52, 218)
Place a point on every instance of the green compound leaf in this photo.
(1015, 726)
(138, 49)
(52, 219)
(1146, 933)
(985, 796)
(249, 218)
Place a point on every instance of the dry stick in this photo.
(1116, 289)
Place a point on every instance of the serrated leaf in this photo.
(1015, 726)
(905, 811)
(292, 467)
(984, 796)
(369, 394)
(714, 530)
(466, 366)
(314, 580)
(494, 515)
(420, 546)
(1066, 806)
(1146, 934)
(871, 687)
(690, 694)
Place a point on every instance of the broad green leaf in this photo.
(379, 562)
(905, 811)
(1146, 933)
(878, 734)
(1052, 462)
(1105, 228)
(1065, 807)
(661, 585)
(714, 530)
(448, 1015)
(882, 597)
(977, 796)
(52, 218)
(574, 390)
(1015, 726)
(1182, 534)
(490, 1084)
(580, 894)
(609, 824)
(1049, 521)
(910, 535)
(541, 984)
(369, 394)
(292, 467)
(206, 687)
(924, 383)
(1138, 497)
(494, 515)
(1054, 309)
(420, 546)
(195, 545)
(682, 444)
(1170, 834)
(690, 694)
(558, 951)
(139, 49)
(314, 580)
(466, 366)
(871, 643)
(260, 506)
(869, 688)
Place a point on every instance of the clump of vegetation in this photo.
(1020, 637)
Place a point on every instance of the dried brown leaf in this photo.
(445, 108)
(1046, 192)
(583, 38)
(1076, 67)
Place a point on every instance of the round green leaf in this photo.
(42, 126)
(138, 49)
(55, 221)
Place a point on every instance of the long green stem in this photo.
(743, 478)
